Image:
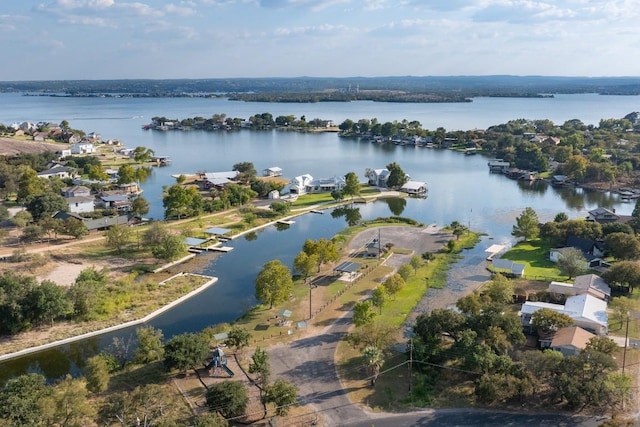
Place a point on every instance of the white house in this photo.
(83, 148)
(325, 185)
(299, 184)
(80, 204)
(76, 191)
(61, 172)
(378, 177)
(588, 312)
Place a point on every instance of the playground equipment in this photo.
(218, 360)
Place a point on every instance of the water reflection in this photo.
(251, 236)
(396, 205)
(351, 215)
(533, 187)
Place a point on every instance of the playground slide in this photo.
(227, 370)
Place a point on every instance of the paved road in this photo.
(475, 418)
(309, 363)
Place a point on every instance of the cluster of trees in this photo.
(479, 342)
(256, 122)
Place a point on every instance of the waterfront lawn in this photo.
(308, 200)
(534, 254)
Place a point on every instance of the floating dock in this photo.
(220, 248)
(316, 211)
(286, 222)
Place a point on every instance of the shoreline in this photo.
(148, 317)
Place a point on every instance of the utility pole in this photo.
(309, 301)
(626, 342)
(410, 362)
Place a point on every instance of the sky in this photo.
(160, 39)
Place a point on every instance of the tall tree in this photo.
(546, 320)
(45, 205)
(373, 358)
(117, 237)
(305, 264)
(139, 206)
(379, 297)
(623, 246)
(352, 185)
(238, 337)
(526, 225)
(96, 372)
(22, 399)
(142, 154)
(397, 177)
(185, 351)
(393, 284)
(150, 348)
(229, 398)
(363, 313)
(326, 250)
(282, 394)
(260, 365)
(273, 283)
(572, 262)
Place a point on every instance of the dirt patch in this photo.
(11, 147)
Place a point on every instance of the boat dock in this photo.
(316, 211)
(286, 222)
(219, 248)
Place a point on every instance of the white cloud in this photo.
(179, 10)
(311, 30)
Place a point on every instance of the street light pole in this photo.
(626, 343)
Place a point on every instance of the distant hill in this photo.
(446, 86)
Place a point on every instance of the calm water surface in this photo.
(460, 187)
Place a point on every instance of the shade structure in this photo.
(285, 313)
(193, 241)
(217, 231)
(347, 267)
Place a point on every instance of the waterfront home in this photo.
(298, 184)
(119, 202)
(414, 188)
(218, 179)
(602, 215)
(586, 311)
(61, 172)
(272, 171)
(130, 189)
(326, 185)
(40, 136)
(559, 180)
(378, 177)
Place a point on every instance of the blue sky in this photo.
(114, 39)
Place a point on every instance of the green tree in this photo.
(210, 420)
(602, 344)
(526, 225)
(32, 233)
(246, 170)
(623, 246)
(379, 297)
(75, 228)
(185, 351)
(499, 289)
(363, 313)
(21, 219)
(179, 201)
(416, 263)
(51, 225)
(229, 398)
(281, 208)
(572, 262)
(624, 275)
(260, 365)
(71, 404)
(117, 237)
(377, 334)
(22, 399)
(393, 284)
(458, 229)
(126, 174)
(96, 372)
(405, 271)
(326, 250)
(547, 320)
(621, 308)
(142, 154)
(373, 359)
(85, 292)
(139, 206)
(576, 167)
(97, 173)
(273, 283)
(282, 394)
(352, 185)
(150, 348)
(45, 205)
(560, 217)
(154, 234)
(46, 303)
(169, 248)
(238, 337)
(305, 264)
(29, 185)
(397, 177)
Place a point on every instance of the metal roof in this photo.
(347, 267)
(193, 241)
(218, 231)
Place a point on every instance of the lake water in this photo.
(460, 187)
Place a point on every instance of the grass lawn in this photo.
(534, 254)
